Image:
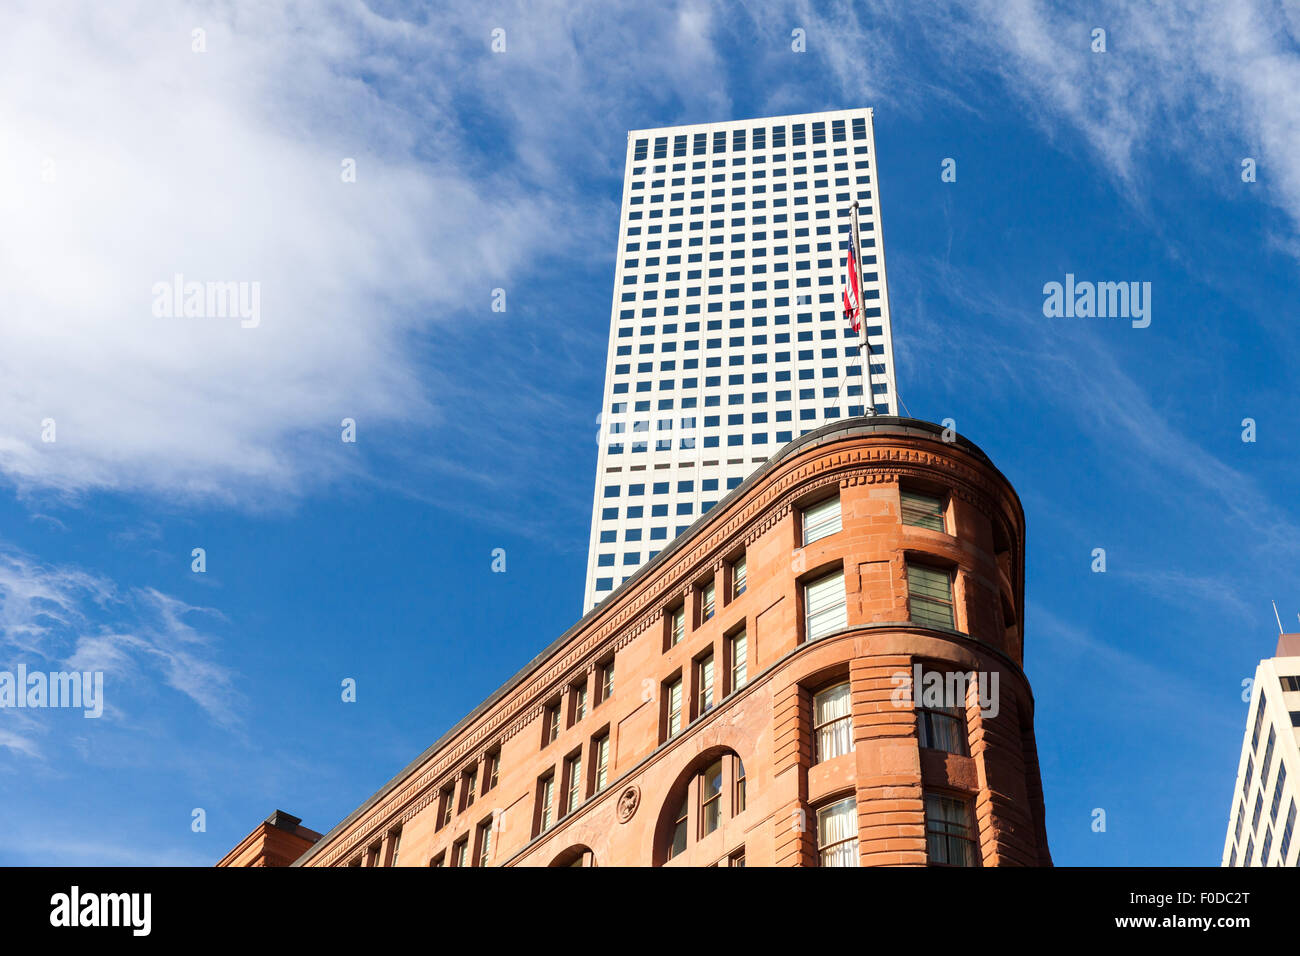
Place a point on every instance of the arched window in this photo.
(709, 792)
(576, 855)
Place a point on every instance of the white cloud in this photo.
(1201, 84)
(63, 618)
(221, 166)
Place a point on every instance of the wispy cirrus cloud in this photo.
(64, 618)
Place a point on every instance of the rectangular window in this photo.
(579, 702)
(471, 783)
(821, 520)
(679, 828)
(483, 840)
(738, 580)
(833, 722)
(739, 661)
(740, 787)
(1291, 683)
(674, 698)
(1286, 833)
(1268, 757)
(941, 726)
(546, 802)
(825, 605)
(929, 593)
(922, 511)
(551, 729)
(574, 783)
(607, 680)
(448, 806)
(704, 703)
(707, 603)
(1259, 722)
(949, 831)
(678, 632)
(711, 798)
(602, 762)
(837, 833)
(460, 852)
(491, 770)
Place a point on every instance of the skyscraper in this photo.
(727, 338)
(1262, 821)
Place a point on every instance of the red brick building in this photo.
(750, 696)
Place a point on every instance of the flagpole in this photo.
(864, 350)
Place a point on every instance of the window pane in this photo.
(711, 792)
(950, 832)
(738, 578)
(825, 605)
(821, 520)
(679, 831)
(923, 511)
(837, 833)
(930, 595)
(832, 722)
(739, 661)
(674, 708)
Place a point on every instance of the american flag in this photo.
(853, 289)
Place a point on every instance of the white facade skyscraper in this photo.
(1262, 822)
(727, 336)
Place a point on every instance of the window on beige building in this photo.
(739, 578)
(545, 802)
(949, 831)
(825, 606)
(704, 679)
(673, 700)
(821, 520)
(483, 843)
(601, 751)
(739, 660)
(922, 510)
(837, 833)
(832, 722)
(929, 595)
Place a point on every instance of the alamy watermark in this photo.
(208, 300)
(1102, 300)
(74, 689)
(932, 689)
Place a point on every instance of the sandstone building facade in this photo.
(750, 696)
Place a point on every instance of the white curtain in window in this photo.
(837, 833)
(834, 726)
(825, 605)
(821, 520)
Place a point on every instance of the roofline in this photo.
(756, 119)
(860, 425)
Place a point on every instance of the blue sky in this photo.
(134, 157)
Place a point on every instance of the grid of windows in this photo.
(726, 338)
